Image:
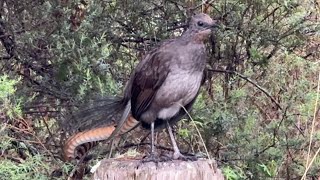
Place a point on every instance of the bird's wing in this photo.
(147, 79)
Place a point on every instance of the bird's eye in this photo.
(200, 23)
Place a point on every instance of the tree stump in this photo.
(128, 169)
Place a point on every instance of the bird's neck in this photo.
(194, 36)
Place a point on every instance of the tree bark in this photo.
(127, 169)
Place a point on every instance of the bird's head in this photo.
(201, 25)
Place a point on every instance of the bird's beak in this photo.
(214, 25)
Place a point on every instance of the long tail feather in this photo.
(79, 144)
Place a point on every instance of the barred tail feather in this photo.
(97, 113)
(79, 144)
(98, 134)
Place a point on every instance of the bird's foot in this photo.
(179, 156)
(153, 157)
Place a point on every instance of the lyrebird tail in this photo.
(101, 120)
(98, 113)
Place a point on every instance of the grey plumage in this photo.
(167, 78)
(170, 75)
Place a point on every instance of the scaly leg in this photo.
(177, 154)
(153, 155)
(152, 139)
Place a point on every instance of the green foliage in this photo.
(6, 87)
(54, 68)
(8, 103)
(32, 168)
(270, 170)
(232, 173)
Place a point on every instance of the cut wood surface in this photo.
(128, 169)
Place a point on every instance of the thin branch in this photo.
(201, 4)
(251, 82)
(307, 165)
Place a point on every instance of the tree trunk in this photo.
(120, 169)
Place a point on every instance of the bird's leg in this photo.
(176, 150)
(112, 144)
(152, 139)
(177, 154)
(153, 155)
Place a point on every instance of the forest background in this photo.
(258, 111)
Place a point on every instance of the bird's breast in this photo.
(179, 89)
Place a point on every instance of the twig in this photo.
(312, 131)
(201, 4)
(250, 81)
(195, 125)
(48, 129)
(29, 141)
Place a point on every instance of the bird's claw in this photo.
(179, 156)
(153, 157)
